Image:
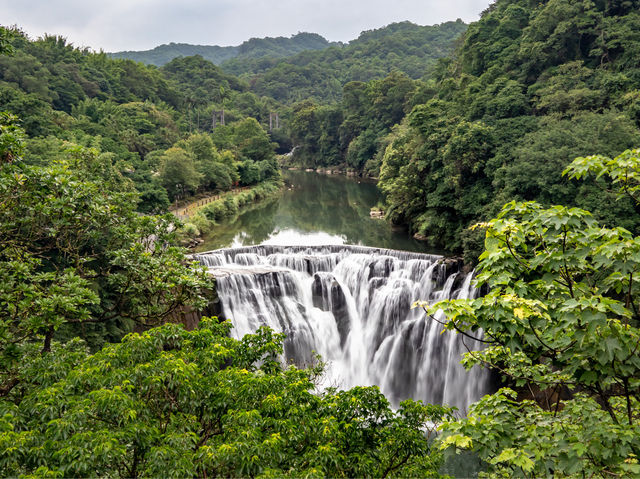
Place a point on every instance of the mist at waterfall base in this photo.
(353, 306)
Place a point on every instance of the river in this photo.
(315, 209)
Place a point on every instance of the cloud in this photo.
(142, 24)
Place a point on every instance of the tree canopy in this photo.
(561, 322)
(175, 403)
(133, 112)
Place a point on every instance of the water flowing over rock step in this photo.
(312, 251)
(223, 272)
(353, 306)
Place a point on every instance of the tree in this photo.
(178, 173)
(532, 85)
(217, 171)
(12, 138)
(252, 141)
(561, 323)
(76, 260)
(5, 46)
(200, 404)
(622, 172)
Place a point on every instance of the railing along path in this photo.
(185, 212)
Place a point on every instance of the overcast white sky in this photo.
(114, 25)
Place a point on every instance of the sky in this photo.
(114, 25)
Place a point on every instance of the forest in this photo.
(512, 141)
(497, 121)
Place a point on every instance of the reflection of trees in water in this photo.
(336, 205)
(255, 224)
(316, 203)
(259, 223)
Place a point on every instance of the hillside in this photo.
(272, 47)
(320, 75)
(146, 120)
(531, 88)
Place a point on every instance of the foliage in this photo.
(201, 404)
(561, 322)
(622, 173)
(76, 259)
(251, 141)
(12, 138)
(178, 172)
(532, 86)
(321, 75)
(131, 111)
(200, 80)
(352, 133)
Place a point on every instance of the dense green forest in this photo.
(154, 124)
(94, 382)
(327, 111)
(533, 86)
(352, 134)
(278, 47)
(346, 100)
(320, 75)
(306, 66)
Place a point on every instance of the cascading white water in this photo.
(352, 305)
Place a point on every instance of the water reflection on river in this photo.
(314, 209)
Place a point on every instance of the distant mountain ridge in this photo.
(273, 47)
(320, 75)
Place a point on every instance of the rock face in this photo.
(190, 317)
(193, 243)
(453, 266)
(378, 214)
(328, 296)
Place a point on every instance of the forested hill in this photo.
(154, 125)
(272, 47)
(533, 86)
(320, 75)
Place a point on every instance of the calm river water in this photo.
(314, 209)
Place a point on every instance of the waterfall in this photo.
(352, 305)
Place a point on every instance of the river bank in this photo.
(202, 216)
(188, 208)
(336, 170)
